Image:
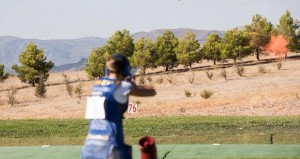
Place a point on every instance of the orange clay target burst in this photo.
(278, 46)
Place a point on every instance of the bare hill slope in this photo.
(276, 92)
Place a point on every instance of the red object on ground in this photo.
(148, 148)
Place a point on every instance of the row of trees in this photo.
(168, 51)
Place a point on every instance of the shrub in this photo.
(68, 85)
(171, 77)
(187, 93)
(0, 94)
(240, 70)
(11, 95)
(209, 74)
(150, 81)
(142, 80)
(160, 80)
(261, 69)
(191, 77)
(40, 90)
(138, 102)
(78, 91)
(206, 94)
(279, 65)
(224, 74)
(182, 110)
(3, 75)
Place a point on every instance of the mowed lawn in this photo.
(181, 151)
(166, 130)
(178, 137)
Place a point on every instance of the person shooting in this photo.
(105, 108)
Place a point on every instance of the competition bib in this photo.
(95, 107)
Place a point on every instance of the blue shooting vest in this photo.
(104, 135)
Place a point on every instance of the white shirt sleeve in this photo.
(122, 91)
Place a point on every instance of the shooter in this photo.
(105, 108)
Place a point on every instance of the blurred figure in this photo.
(105, 108)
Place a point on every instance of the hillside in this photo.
(273, 93)
(71, 66)
(61, 52)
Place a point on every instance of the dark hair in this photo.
(120, 64)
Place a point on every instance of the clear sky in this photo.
(65, 19)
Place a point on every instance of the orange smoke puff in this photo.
(277, 45)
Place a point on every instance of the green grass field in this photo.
(183, 151)
(252, 132)
(166, 130)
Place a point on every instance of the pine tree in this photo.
(260, 32)
(33, 62)
(143, 56)
(188, 49)
(212, 48)
(121, 42)
(235, 45)
(96, 62)
(166, 48)
(288, 27)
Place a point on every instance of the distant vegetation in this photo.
(187, 93)
(3, 74)
(143, 54)
(40, 90)
(34, 66)
(205, 94)
(168, 51)
(11, 95)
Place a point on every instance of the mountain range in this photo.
(179, 33)
(71, 54)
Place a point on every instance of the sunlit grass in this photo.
(166, 130)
